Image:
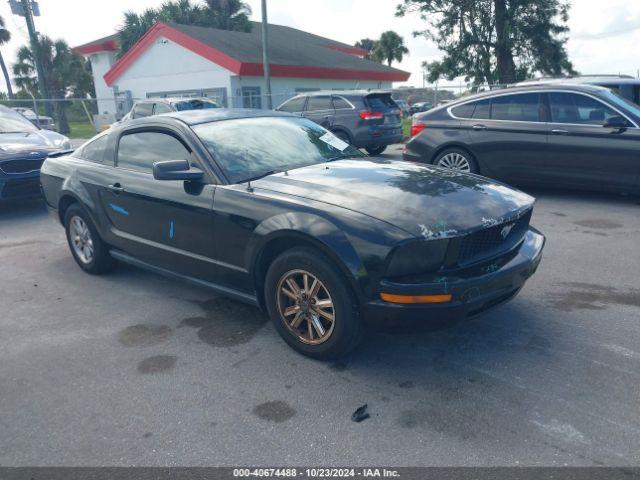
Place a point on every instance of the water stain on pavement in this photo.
(275, 411)
(157, 364)
(226, 323)
(144, 335)
(600, 223)
(438, 420)
(591, 296)
(559, 214)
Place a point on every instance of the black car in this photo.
(369, 120)
(568, 136)
(23, 148)
(275, 211)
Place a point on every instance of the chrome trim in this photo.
(504, 94)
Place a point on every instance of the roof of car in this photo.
(195, 117)
(532, 88)
(174, 99)
(343, 93)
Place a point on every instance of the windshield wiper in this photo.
(344, 157)
(262, 175)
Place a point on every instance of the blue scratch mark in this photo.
(118, 208)
(171, 230)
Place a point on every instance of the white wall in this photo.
(166, 66)
(101, 62)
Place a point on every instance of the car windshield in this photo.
(250, 148)
(622, 102)
(194, 104)
(11, 122)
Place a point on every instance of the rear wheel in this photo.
(376, 150)
(311, 304)
(456, 159)
(87, 248)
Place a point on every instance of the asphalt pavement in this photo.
(136, 369)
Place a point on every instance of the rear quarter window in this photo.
(463, 111)
(380, 102)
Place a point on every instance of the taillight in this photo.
(371, 115)
(416, 127)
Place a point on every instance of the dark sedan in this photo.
(566, 136)
(274, 210)
(23, 148)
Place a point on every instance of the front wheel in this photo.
(376, 150)
(456, 159)
(311, 305)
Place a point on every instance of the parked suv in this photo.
(369, 120)
(562, 135)
(156, 106)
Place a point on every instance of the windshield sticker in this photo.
(334, 141)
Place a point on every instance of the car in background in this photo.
(23, 149)
(157, 106)
(365, 119)
(624, 85)
(556, 135)
(420, 107)
(404, 107)
(40, 121)
(275, 211)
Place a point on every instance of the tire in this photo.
(77, 223)
(341, 335)
(451, 157)
(376, 150)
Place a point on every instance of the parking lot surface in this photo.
(135, 369)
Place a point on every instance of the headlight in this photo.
(417, 257)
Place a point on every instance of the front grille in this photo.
(492, 241)
(24, 187)
(21, 166)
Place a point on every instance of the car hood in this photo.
(36, 140)
(423, 200)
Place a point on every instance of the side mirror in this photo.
(176, 170)
(617, 123)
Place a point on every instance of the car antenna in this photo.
(249, 187)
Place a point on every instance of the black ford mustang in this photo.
(273, 210)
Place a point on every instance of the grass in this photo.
(81, 130)
(406, 126)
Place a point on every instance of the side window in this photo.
(295, 105)
(138, 151)
(482, 110)
(161, 108)
(464, 111)
(143, 110)
(94, 150)
(579, 109)
(521, 108)
(319, 103)
(340, 103)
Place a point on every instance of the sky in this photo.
(604, 35)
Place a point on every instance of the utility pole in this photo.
(265, 55)
(35, 48)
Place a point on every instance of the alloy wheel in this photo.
(81, 240)
(305, 306)
(455, 161)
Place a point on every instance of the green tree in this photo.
(66, 73)
(493, 41)
(5, 36)
(390, 48)
(367, 44)
(223, 14)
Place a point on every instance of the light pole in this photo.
(265, 55)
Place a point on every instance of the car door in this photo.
(320, 110)
(585, 154)
(507, 134)
(167, 224)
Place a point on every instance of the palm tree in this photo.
(390, 48)
(66, 74)
(368, 45)
(223, 14)
(5, 36)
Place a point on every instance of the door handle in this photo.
(556, 131)
(115, 188)
(479, 127)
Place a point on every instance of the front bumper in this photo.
(20, 186)
(474, 290)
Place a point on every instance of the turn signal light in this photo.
(443, 298)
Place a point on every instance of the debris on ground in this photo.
(360, 414)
